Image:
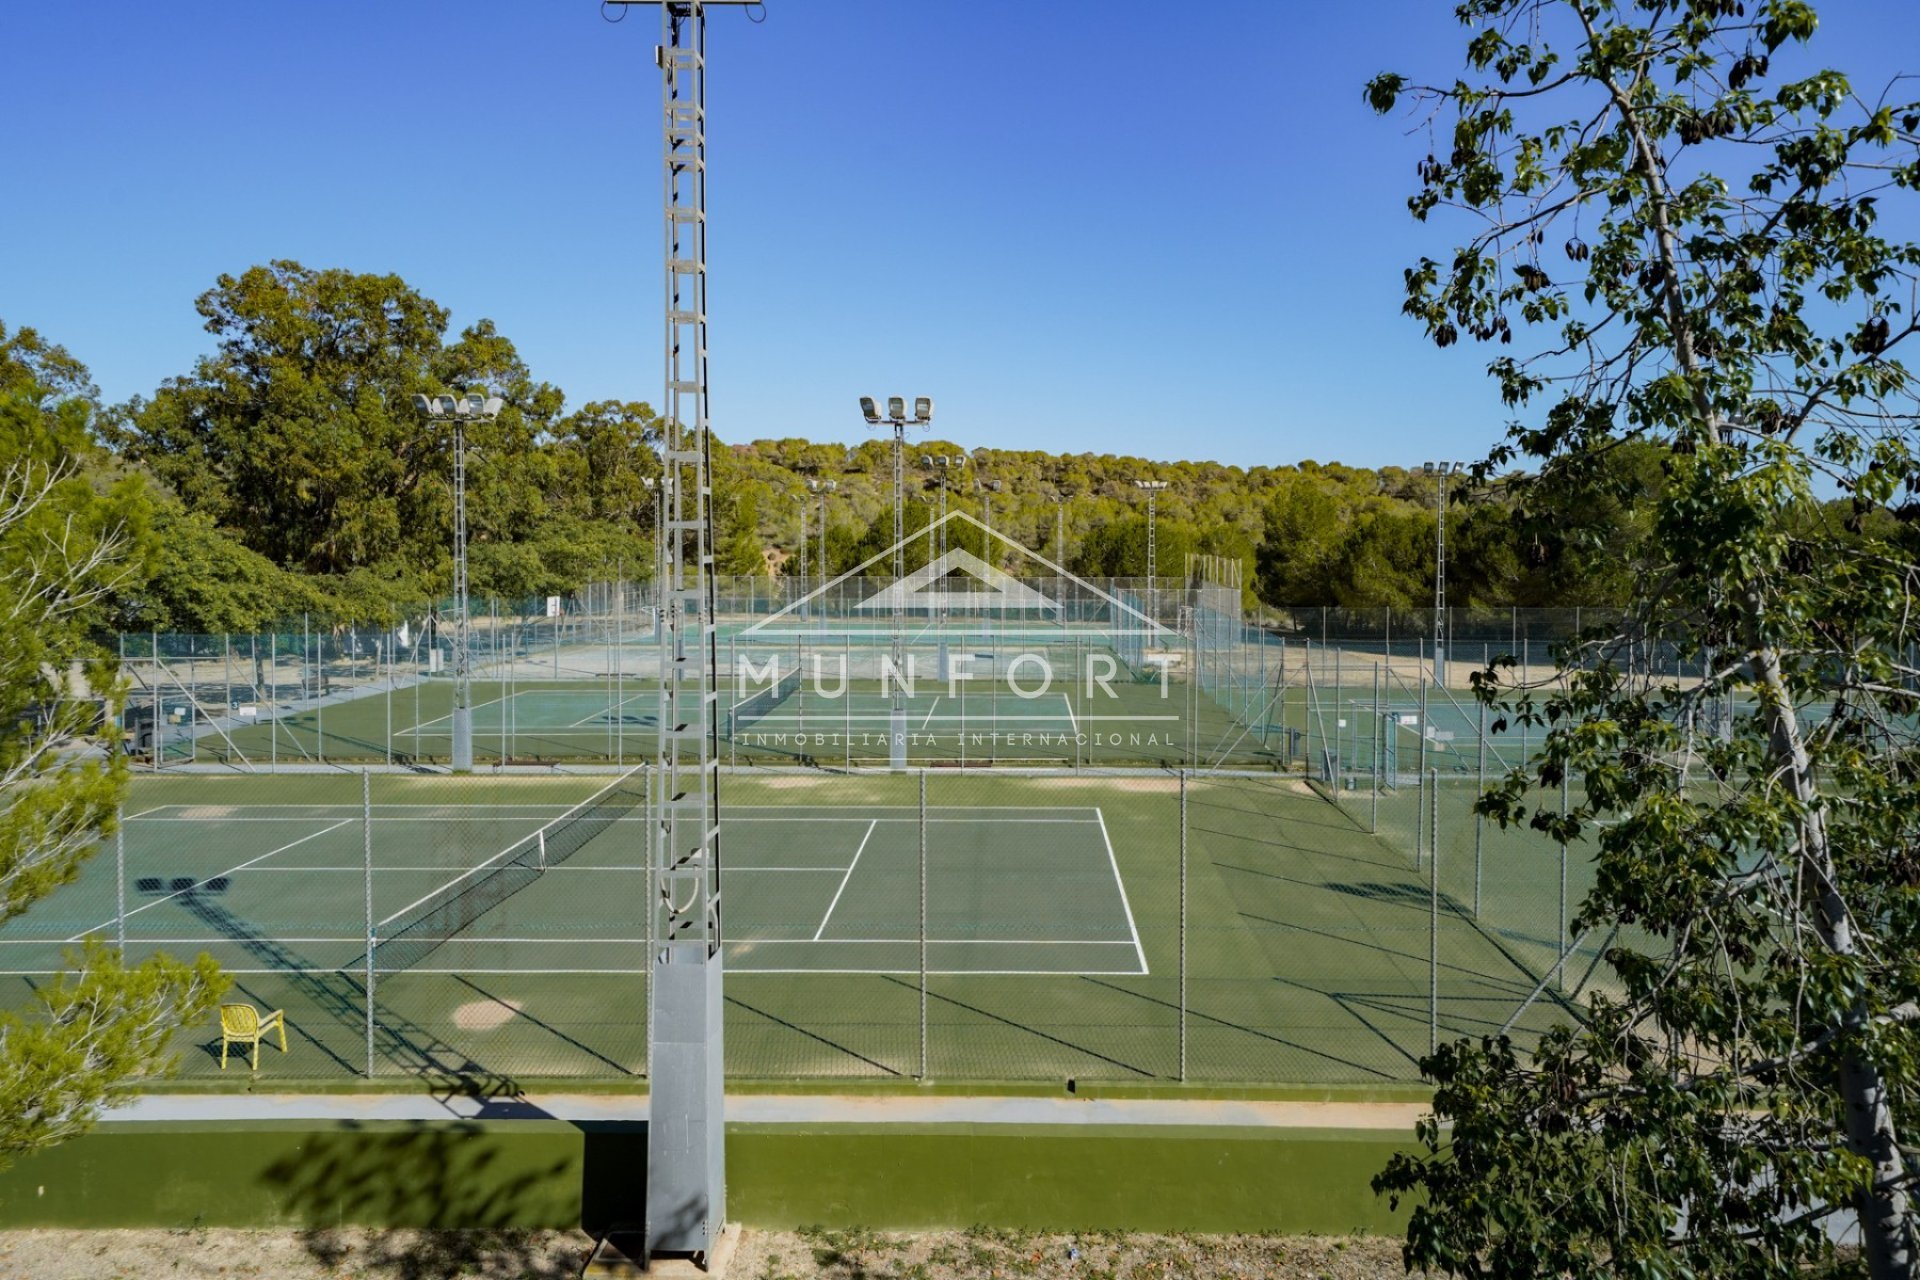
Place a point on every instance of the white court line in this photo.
(360, 940)
(929, 719)
(1071, 718)
(144, 812)
(229, 871)
(941, 942)
(1127, 906)
(871, 827)
(416, 728)
(353, 815)
(446, 867)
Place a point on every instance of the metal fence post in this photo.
(1479, 819)
(1379, 749)
(923, 924)
(1433, 914)
(1562, 966)
(120, 881)
(1183, 925)
(366, 829)
(652, 829)
(158, 711)
(1420, 810)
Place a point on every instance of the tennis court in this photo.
(836, 890)
(612, 721)
(1075, 925)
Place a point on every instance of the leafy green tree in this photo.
(205, 580)
(300, 431)
(1302, 524)
(1385, 559)
(68, 539)
(1698, 244)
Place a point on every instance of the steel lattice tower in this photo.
(686, 1169)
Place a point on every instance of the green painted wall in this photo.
(556, 1174)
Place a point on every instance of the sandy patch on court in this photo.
(485, 1015)
(205, 811)
(1152, 784)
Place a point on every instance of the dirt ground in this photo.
(977, 1254)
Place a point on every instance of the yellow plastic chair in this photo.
(243, 1023)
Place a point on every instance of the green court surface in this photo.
(847, 722)
(1053, 943)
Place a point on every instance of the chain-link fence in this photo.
(1004, 925)
(1106, 673)
(1108, 830)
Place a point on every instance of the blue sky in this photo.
(1128, 227)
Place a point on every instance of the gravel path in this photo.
(977, 1254)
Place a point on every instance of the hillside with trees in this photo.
(288, 473)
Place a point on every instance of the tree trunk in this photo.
(1882, 1203)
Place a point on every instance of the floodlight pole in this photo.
(1443, 470)
(896, 418)
(942, 465)
(462, 689)
(685, 1178)
(823, 488)
(460, 410)
(1153, 489)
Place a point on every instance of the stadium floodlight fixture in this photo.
(923, 409)
(1152, 486)
(427, 405)
(869, 410)
(896, 408)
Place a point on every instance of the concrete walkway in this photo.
(779, 1109)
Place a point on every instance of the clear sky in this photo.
(1163, 229)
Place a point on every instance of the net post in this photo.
(923, 924)
(1183, 925)
(120, 880)
(366, 849)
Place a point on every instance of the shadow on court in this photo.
(397, 1041)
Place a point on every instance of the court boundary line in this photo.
(1125, 903)
(872, 827)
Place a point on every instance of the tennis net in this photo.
(751, 709)
(417, 930)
